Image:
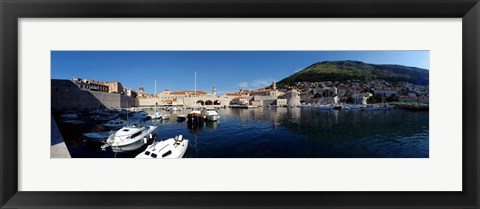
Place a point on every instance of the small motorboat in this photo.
(165, 116)
(97, 136)
(211, 115)
(114, 124)
(170, 148)
(195, 116)
(131, 137)
(181, 118)
(156, 115)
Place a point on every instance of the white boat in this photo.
(156, 115)
(97, 136)
(346, 107)
(165, 116)
(211, 114)
(131, 137)
(115, 124)
(170, 148)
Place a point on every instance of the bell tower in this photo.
(274, 86)
(214, 91)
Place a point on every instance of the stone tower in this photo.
(293, 98)
(274, 86)
(214, 91)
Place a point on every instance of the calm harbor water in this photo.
(289, 133)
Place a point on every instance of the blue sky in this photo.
(228, 71)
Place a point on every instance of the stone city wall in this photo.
(149, 101)
(188, 101)
(65, 96)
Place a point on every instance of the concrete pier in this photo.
(58, 149)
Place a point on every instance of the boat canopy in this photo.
(135, 122)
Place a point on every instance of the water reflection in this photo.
(212, 125)
(294, 132)
(195, 128)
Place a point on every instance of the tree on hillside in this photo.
(392, 98)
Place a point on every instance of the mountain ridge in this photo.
(357, 70)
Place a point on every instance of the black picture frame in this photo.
(10, 10)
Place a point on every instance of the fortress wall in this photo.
(186, 101)
(148, 101)
(65, 96)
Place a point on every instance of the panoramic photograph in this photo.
(240, 104)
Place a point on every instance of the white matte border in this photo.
(441, 172)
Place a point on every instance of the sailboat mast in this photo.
(195, 84)
(155, 97)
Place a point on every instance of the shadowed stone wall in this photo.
(65, 96)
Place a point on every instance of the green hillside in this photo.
(350, 70)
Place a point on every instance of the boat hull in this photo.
(195, 118)
(165, 149)
(135, 145)
(128, 147)
(212, 117)
(181, 119)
